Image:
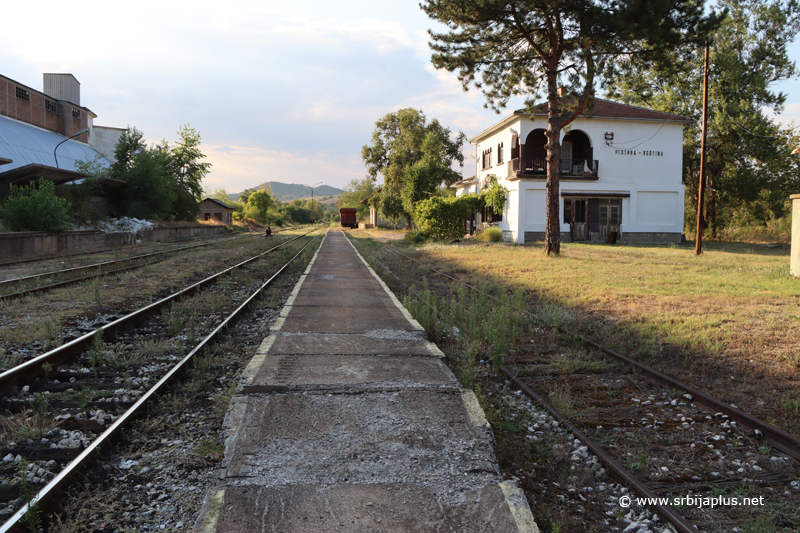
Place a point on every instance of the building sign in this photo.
(646, 153)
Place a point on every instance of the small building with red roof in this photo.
(621, 173)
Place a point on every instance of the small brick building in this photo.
(212, 209)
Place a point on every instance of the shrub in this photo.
(491, 235)
(35, 207)
(441, 218)
(414, 237)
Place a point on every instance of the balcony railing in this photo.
(571, 168)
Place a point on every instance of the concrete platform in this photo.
(346, 419)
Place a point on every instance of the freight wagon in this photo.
(348, 218)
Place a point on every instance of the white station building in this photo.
(621, 169)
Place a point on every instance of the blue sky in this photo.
(278, 91)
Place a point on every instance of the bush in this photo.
(441, 218)
(415, 237)
(79, 198)
(35, 208)
(490, 235)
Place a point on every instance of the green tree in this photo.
(528, 47)
(314, 210)
(163, 181)
(151, 190)
(188, 172)
(747, 167)
(356, 191)
(296, 211)
(259, 204)
(414, 157)
(219, 193)
(130, 143)
(35, 207)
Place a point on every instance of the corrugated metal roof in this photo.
(26, 145)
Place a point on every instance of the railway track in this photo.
(90, 386)
(659, 437)
(37, 282)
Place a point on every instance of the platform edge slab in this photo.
(519, 508)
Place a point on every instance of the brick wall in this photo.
(35, 112)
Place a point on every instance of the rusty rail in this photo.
(617, 471)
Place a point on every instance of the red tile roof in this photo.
(608, 109)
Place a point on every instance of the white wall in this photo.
(644, 160)
(103, 139)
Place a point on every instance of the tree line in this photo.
(261, 206)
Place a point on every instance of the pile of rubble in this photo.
(119, 225)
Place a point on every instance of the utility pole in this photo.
(698, 249)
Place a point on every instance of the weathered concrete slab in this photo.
(346, 320)
(331, 274)
(372, 299)
(349, 373)
(341, 285)
(400, 508)
(375, 342)
(364, 315)
(361, 297)
(429, 438)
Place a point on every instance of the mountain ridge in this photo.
(286, 192)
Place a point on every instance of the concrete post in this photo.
(794, 265)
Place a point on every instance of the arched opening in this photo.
(577, 155)
(535, 154)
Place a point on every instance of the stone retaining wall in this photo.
(33, 244)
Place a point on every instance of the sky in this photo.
(278, 91)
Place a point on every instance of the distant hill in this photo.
(286, 192)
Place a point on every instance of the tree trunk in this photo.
(552, 236)
(408, 223)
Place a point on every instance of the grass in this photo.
(730, 315)
(209, 449)
(32, 424)
(490, 235)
